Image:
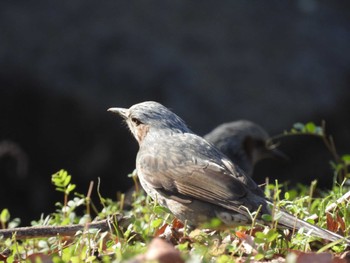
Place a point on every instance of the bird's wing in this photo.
(188, 166)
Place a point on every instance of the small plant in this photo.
(4, 217)
(61, 180)
(340, 163)
(5, 221)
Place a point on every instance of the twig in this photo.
(332, 206)
(88, 198)
(70, 230)
(329, 142)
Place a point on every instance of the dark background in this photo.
(63, 63)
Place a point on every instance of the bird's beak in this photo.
(121, 111)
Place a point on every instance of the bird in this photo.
(194, 179)
(245, 143)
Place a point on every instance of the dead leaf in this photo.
(332, 225)
(160, 231)
(341, 223)
(241, 234)
(177, 224)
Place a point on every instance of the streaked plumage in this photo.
(191, 177)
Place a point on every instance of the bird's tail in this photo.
(291, 222)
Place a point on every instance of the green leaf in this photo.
(56, 181)
(271, 235)
(183, 246)
(214, 223)
(59, 189)
(58, 178)
(310, 127)
(224, 259)
(266, 217)
(299, 126)
(75, 259)
(67, 180)
(14, 223)
(269, 254)
(4, 216)
(160, 209)
(157, 222)
(90, 259)
(258, 240)
(70, 188)
(259, 257)
(260, 235)
(346, 159)
(286, 195)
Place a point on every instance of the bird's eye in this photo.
(136, 121)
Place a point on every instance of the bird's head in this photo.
(144, 116)
(257, 143)
(243, 136)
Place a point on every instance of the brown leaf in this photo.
(160, 230)
(341, 223)
(332, 225)
(241, 234)
(335, 224)
(177, 224)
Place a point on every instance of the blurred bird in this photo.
(244, 142)
(194, 179)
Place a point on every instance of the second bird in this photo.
(244, 142)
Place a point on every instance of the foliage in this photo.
(147, 220)
(340, 163)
